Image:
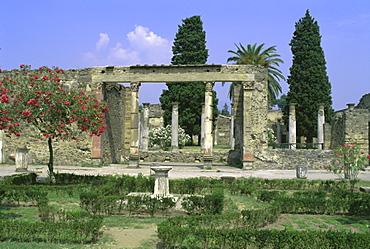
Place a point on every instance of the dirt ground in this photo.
(132, 238)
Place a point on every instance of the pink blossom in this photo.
(66, 102)
(32, 101)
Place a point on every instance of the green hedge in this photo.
(243, 220)
(191, 237)
(59, 232)
(112, 205)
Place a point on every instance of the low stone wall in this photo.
(181, 157)
(270, 159)
(290, 159)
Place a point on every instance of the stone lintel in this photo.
(179, 73)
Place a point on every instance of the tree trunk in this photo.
(51, 162)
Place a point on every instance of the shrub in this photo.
(162, 137)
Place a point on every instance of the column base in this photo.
(247, 165)
(207, 161)
(96, 161)
(21, 170)
(133, 161)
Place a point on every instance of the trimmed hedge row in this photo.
(110, 205)
(247, 185)
(193, 237)
(243, 220)
(58, 232)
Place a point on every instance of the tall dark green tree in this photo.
(308, 81)
(189, 48)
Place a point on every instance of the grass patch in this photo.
(287, 225)
(245, 202)
(131, 222)
(325, 226)
(30, 213)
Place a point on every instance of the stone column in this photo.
(292, 127)
(208, 143)
(202, 130)
(2, 142)
(96, 150)
(215, 135)
(320, 127)
(278, 131)
(247, 159)
(232, 140)
(134, 135)
(175, 128)
(145, 131)
(21, 159)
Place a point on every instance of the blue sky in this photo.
(85, 33)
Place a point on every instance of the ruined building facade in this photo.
(249, 122)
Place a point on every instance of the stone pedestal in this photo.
(301, 172)
(161, 185)
(21, 160)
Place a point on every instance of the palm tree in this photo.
(267, 58)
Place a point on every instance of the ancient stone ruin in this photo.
(126, 139)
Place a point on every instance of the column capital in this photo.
(209, 85)
(292, 105)
(135, 86)
(248, 85)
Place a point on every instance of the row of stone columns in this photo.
(134, 140)
(292, 127)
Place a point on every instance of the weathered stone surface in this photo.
(351, 126)
(364, 102)
(290, 159)
(186, 157)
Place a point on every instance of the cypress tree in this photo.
(308, 81)
(189, 48)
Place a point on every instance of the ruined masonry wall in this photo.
(290, 159)
(71, 152)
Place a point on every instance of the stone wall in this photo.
(77, 153)
(114, 138)
(290, 159)
(351, 126)
(185, 157)
(364, 102)
(222, 132)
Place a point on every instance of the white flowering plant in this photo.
(162, 137)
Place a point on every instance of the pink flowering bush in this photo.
(348, 162)
(38, 99)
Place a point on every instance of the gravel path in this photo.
(179, 170)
